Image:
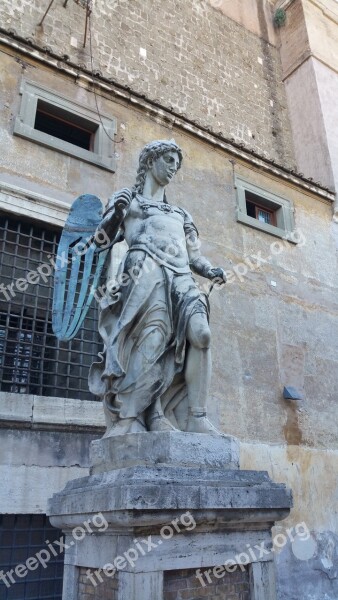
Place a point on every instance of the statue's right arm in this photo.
(115, 214)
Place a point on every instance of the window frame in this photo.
(24, 126)
(282, 209)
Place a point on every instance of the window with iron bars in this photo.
(32, 359)
(21, 538)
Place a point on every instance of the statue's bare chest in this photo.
(154, 220)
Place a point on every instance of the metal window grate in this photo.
(22, 537)
(32, 360)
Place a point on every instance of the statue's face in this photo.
(164, 168)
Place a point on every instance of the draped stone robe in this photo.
(143, 321)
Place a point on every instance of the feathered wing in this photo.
(79, 265)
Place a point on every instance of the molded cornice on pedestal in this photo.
(142, 485)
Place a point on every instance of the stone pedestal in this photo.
(159, 506)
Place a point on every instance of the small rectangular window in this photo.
(257, 210)
(65, 126)
(264, 210)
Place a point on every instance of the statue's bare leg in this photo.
(198, 374)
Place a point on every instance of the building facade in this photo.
(83, 87)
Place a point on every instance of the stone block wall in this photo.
(184, 585)
(187, 56)
(104, 590)
(178, 585)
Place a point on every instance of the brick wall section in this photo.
(183, 585)
(204, 65)
(106, 590)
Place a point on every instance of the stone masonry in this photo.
(183, 585)
(104, 590)
(146, 484)
(177, 585)
(186, 56)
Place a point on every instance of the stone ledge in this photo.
(28, 410)
(183, 550)
(136, 477)
(151, 489)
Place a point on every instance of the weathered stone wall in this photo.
(44, 443)
(309, 54)
(306, 543)
(185, 55)
(31, 166)
(184, 585)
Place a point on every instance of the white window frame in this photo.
(103, 151)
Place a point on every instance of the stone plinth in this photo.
(178, 449)
(166, 502)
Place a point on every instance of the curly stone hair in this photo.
(150, 152)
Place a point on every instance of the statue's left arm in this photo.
(198, 263)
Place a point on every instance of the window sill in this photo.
(54, 143)
(271, 229)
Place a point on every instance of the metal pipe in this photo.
(46, 13)
(86, 25)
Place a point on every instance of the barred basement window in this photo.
(22, 537)
(32, 360)
(62, 124)
(263, 210)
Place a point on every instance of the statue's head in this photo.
(151, 153)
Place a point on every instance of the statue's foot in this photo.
(160, 423)
(122, 426)
(198, 422)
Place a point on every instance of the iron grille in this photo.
(22, 537)
(32, 360)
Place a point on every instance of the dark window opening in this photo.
(64, 125)
(32, 359)
(24, 353)
(21, 538)
(261, 209)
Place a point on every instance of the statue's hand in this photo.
(217, 275)
(122, 201)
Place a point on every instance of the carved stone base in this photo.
(170, 502)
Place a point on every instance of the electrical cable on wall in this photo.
(93, 82)
(46, 13)
(87, 4)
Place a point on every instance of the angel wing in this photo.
(79, 265)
